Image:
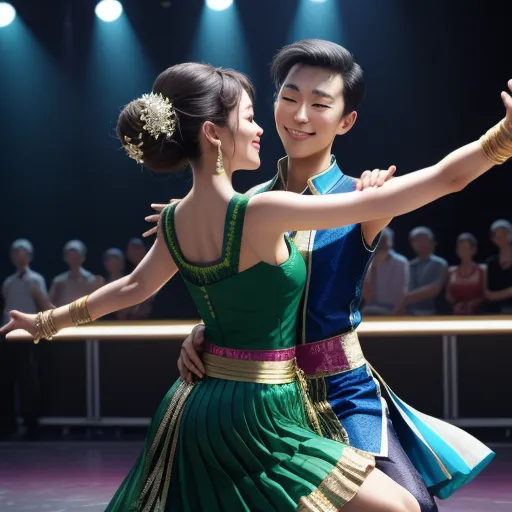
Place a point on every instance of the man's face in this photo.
(20, 258)
(422, 245)
(501, 237)
(74, 259)
(309, 111)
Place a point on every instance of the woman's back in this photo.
(253, 309)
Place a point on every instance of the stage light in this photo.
(7, 14)
(108, 10)
(319, 1)
(218, 5)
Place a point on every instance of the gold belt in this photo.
(261, 372)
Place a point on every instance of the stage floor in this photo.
(67, 477)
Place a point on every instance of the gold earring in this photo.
(220, 161)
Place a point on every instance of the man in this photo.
(77, 281)
(498, 290)
(25, 291)
(428, 274)
(387, 281)
(319, 90)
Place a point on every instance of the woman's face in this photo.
(465, 250)
(243, 150)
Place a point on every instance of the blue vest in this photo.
(337, 261)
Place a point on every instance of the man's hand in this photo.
(189, 362)
(375, 178)
(154, 219)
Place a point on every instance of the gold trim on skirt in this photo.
(341, 484)
(330, 423)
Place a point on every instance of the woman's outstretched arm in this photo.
(150, 275)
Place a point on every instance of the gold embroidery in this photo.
(331, 425)
(206, 297)
(165, 461)
(211, 273)
(263, 372)
(304, 241)
(171, 422)
(341, 484)
(350, 346)
(308, 405)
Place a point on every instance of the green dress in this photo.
(229, 445)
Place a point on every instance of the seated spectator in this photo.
(465, 287)
(387, 280)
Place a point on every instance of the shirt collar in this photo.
(320, 183)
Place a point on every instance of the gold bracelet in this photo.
(38, 337)
(49, 325)
(497, 143)
(78, 311)
(45, 326)
(51, 322)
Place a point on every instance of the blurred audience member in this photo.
(427, 275)
(25, 291)
(114, 263)
(387, 280)
(499, 269)
(135, 252)
(465, 287)
(77, 281)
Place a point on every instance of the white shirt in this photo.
(18, 292)
(66, 289)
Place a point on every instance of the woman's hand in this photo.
(20, 321)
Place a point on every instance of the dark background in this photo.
(434, 72)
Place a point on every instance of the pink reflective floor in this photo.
(65, 477)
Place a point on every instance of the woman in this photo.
(243, 438)
(465, 287)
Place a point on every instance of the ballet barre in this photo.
(376, 326)
(450, 329)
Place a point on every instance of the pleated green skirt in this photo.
(227, 446)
